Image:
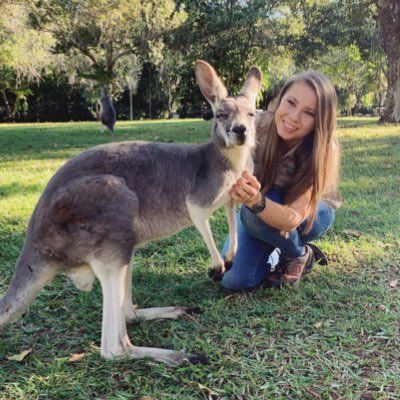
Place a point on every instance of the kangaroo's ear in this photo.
(253, 84)
(210, 85)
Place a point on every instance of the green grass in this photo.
(335, 336)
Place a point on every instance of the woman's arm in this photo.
(282, 217)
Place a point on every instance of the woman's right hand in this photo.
(246, 190)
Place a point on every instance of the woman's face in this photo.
(295, 115)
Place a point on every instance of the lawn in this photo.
(335, 336)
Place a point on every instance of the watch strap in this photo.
(258, 207)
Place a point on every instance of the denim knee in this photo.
(237, 279)
(324, 220)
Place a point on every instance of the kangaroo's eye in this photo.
(222, 115)
(251, 114)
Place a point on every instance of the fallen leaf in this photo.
(318, 325)
(19, 357)
(353, 232)
(389, 166)
(230, 297)
(204, 389)
(381, 307)
(147, 398)
(393, 283)
(77, 357)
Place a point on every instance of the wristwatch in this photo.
(258, 207)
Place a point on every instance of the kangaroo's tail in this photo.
(31, 275)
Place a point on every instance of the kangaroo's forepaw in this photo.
(216, 273)
(228, 264)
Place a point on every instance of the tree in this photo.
(389, 22)
(347, 71)
(342, 23)
(233, 35)
(105, 31)
(359, 14)
(24, 54)
(170, 73)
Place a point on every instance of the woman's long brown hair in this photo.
(319, 153)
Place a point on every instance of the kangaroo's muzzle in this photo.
(238, 133)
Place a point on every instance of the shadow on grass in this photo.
(356, 122)
(51, 140)
(64, 140)
(62, 311)
(19, 188)
(319, 323)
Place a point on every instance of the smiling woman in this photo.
(293, 190)
(295, 115)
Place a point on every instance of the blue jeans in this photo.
(259, 245)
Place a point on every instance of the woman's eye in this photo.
(310, 114)
(291, 102)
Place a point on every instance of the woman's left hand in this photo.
(246, 190)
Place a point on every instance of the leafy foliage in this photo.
(109, 42)
(24, 53)
(105, 31)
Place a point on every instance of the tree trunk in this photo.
(389, 22)
(150, 94)
(170, 102)
(6, 104)
(130, 104)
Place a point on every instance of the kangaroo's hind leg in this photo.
(129, 307)
(114, 339)
(133, 313)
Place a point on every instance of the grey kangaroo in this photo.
(108, 116)
(114, 198)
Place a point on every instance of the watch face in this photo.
(257, 208)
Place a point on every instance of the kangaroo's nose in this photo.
(239, 130)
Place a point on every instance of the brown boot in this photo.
(289, 270)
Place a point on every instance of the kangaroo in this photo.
(108, 115)
(113, 198)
